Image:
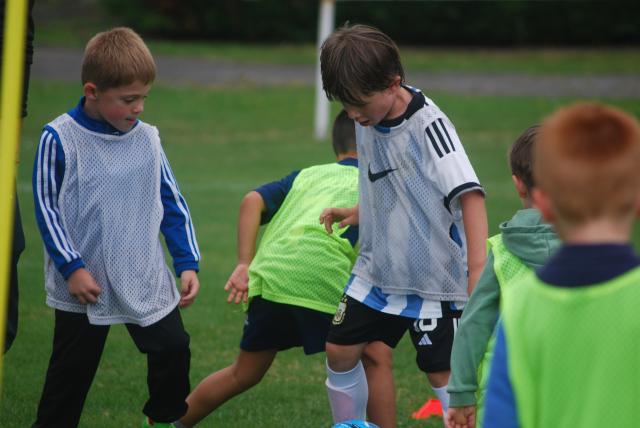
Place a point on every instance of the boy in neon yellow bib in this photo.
(524, 243)
(293, 281)
(567, 353)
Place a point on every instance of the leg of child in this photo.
(77, 348)
(166, 344)
(439, 382)
(378, 362)
(346, 382)
(433, 340)
(217, 388)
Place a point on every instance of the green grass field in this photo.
(222, 143)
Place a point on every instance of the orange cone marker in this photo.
(432, 407)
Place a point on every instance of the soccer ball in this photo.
(355, 424)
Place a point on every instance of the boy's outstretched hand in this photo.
(461, 417)
(83, 287)
(238, 284)
(346, 217)
(189, 287)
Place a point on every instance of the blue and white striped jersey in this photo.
(102, 197)
(412, 171)
(405, 305)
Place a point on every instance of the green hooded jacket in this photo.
(533, 242)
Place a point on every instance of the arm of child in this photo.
(48, 175)
(469, 346)
(83, 287)
(500, 406)
(179, 234)
(190, 286)
(346, 217)
(474, 217)
(251, 210)
(461, 417)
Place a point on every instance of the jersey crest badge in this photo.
(340, 312)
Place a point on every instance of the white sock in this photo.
(443, 396)
(348, 393)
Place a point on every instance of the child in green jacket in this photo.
(525, 242)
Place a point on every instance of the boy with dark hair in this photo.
(103, 192)
(566, 352)
(421, 215)
(524, 243)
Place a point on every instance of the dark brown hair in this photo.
(521, 156)
(116, 58)
(356, 61)
(344, 134)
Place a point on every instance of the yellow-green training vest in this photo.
(574, 353)
(298, 262)
(509, 269)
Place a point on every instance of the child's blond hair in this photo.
(117, 57)
(587, 160)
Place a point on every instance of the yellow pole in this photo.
(15, 18)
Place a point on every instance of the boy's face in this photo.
(378, 106)
(375, 109)
(120, 107)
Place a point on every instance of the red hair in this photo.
(587, 159)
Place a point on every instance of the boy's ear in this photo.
(521, 188)
(395, 82)
(90, 91)
(543, 204)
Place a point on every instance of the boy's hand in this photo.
(83, 287)
(190, 287)
(238, 284)
(461, 417)
(346, 217)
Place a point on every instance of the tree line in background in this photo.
(446, 23)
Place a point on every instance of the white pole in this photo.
(326, 21)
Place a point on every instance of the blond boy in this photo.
(103, 193)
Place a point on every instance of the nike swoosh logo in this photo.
(378, 175)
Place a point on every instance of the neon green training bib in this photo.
(509, 269)
(574, 353)
(298, 262)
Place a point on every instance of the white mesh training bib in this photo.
(111, 207)
(411, 232)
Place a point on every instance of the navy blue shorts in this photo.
(271, 325)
